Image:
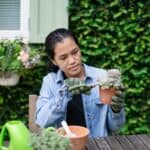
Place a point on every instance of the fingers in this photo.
(75, 92)
(80, 89)
(117, 104)
(77, 87)
(116, 107)
(120, 94)
(73, 81)
(121, 87)
(117, 99)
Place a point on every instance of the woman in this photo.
(56, 104)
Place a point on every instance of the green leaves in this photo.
(49, 140)
(117, 34)
(114, 3)
(9, 52)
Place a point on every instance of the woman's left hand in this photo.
(118, 100)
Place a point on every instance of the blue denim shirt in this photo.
(51, 106)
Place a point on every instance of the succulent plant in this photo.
(112, 79)
(49, 140)
(77, 86)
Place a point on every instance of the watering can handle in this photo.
(4, 148)
(2, 135)
(15, 129)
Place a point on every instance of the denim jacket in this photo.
(51, 107)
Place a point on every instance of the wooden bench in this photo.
(33, 127)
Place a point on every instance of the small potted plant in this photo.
(108, 85)
(49, 139)
(15, 56)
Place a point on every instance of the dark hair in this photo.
(52, 39)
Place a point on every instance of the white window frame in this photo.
(24, 22)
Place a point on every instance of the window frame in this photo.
(24, 25)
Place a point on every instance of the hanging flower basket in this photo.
(9, 78)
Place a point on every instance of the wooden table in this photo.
(124, 142)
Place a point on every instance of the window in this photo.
(45, 16)
(14, 16)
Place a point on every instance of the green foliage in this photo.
(9, 51)
(116, 34)
(48, 139)
(14, 100)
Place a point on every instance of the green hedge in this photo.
(117, 34)
(112, 34)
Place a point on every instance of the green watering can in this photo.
(18, 136)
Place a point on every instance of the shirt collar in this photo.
(59, 76)
(88, 74)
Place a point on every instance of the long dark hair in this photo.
(52, 39)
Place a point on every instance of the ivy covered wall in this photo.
(111, 34)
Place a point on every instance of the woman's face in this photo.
(67, 57)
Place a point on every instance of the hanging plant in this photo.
(15, 57)
(9, 78)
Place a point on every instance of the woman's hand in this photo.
(118, 100)
(77, 86)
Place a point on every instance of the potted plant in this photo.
(108, 85)
(49, 139)
(15, 56)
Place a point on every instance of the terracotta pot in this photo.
(79, 141)
(106, 95)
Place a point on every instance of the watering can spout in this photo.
(18, 136)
